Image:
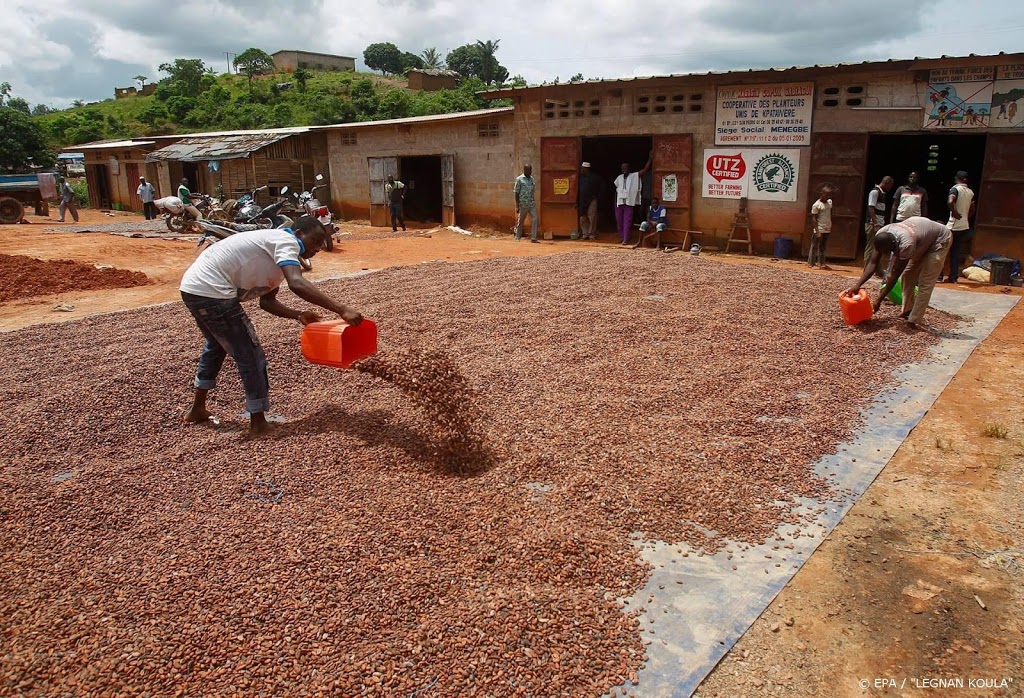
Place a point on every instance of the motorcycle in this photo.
(180, 220)
(211, 233)
(311, 206)
(251, 212)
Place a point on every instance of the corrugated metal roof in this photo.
(287, 130)
(108, 144)
(420, 119)
(911, 64)
(202, 148)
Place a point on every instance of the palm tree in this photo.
(488, 49)
(431, 59)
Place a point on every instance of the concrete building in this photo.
(145, 91)
(456, 167)
(112, 171)
(775, 136)
(431, 80)
(290, 60)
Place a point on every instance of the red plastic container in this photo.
(856, 309)
(338, 344)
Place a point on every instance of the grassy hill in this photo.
(226, 102)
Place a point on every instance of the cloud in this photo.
(83, 49)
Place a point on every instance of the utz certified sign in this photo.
(758, 174)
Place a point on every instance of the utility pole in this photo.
(227, 56)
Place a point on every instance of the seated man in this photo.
(656, 219)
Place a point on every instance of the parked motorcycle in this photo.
(251, 212)
(311, 206)
(179, 219)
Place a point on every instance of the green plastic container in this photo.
(896, 294)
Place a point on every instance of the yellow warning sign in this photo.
(561, 185)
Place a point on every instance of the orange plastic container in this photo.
(856, 309)
(338, 344)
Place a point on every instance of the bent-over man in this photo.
(919, 246)
(237, 269)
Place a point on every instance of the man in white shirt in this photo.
(146, 194)
(875, 218)
(627, 197)
(909, 200)
(237, 269)
(961, 205)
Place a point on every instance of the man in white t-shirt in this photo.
(961, 205)
(909, 200)
(919, 246)
(821, 222)
(875, 218)
(236, 269)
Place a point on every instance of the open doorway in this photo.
(606, 155)
(424, 193)
(936, 157)
(100, 195)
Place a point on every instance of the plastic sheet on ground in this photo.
(701, 606)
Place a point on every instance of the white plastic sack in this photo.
(171, 204)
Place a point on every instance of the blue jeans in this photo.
(397, 216)
(227, 330)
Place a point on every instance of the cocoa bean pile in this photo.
(674, 396)
(25, 277)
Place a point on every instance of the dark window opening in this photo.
(595, 112)
(855, 89)
(854, 102)
(423, 188)
(830, 103)
(696, 107)
(831, 90)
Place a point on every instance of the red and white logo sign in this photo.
(727, 167)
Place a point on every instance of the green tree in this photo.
(490, 66)
(384, 57)
(411, 61)
(19, 104)
(142, 80)
(253, 62)
(431, 58)
(578, 77)
(466, 60)
(301, 75)
(184, 76)
(22, 142)
(77, 104)
(323, 109)
(153, 114)
(41, 110)
(179, 107)
(395, 104)
(86, 131)
(364, 98)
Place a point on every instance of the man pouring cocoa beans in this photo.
(919, 246)
(240, 268)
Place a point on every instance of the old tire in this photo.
(220, 216)
(329, 243)
(11, 210)
(176, 224)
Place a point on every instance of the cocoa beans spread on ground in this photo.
(675, 396)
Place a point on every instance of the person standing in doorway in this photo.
(394, 192)
(146, 194)
(961, 205)
(919, 246)
(628, 192)
(909, 200)
(588, 191)
(526, 203)
(67, 200)
(821, 219)
(875, 218)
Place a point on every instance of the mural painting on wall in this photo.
(974, 97)
(759, 174)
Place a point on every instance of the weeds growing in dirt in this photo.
(995, 431)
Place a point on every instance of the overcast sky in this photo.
(56, 51)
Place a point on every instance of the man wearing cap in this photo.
(588, 191)
(961, 205)
(146, 193)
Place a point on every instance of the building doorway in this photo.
(606, 155)
(936, 157)
(100, 198)
(423, 188)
